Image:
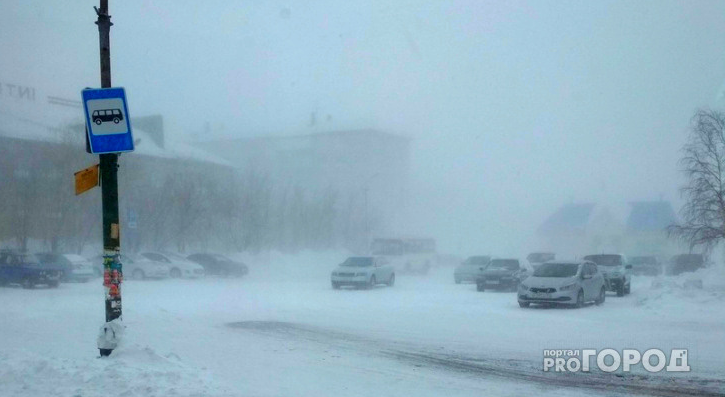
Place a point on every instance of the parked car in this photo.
(645, 266)
(616, 271)
(138, 268)
(219, 265)
(470, 269)
(179, 267)
(535, 259)
(685, 263)
(503, 274)
(567, 283)
(25, 269)
(363, 272)
(75, 267)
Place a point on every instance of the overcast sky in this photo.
(514, 108)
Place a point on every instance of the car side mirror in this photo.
(628, 267)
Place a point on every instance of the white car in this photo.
(179, 267)
(363, 272)
(137, 268)
(565, 283)
(471, 269)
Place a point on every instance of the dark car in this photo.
(685, 263)
(502, 274)
(645, 266)
(537, 258)
(75, 267)
(616, 270)
(26, 270)
(219, 265)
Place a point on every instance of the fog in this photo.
(382, 197)
(513, 109)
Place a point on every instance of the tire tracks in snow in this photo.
(516, 370)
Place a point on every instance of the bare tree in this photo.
(703, 215)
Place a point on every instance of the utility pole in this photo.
(112, 271)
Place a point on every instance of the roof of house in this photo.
(16, 127)
(570, 217)
(648, 216)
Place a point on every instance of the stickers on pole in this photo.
(107, 120)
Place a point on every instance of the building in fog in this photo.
(368, 163)
(37, 162)
(637, 228)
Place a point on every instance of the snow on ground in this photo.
(282, 331)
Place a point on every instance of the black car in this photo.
(685, 263)
(645, 266)
(25, 269)
(219, 265)
(503, 274)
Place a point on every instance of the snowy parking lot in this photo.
(283, 331)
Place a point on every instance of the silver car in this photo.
(363, 272)
(470, 269)
(568, 283)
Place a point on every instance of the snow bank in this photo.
(130, 371)
(700, 290)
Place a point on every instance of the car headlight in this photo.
(361, 274)
(568, 287)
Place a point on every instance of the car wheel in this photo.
(524, 304)
(98, 121)
(628, 289)
(391, 281)
(579, 299)
(116, 120)
(335, 285)
(620, 289)
(138, 274)
(28, 283)
(372, 283)
(602, 296)
(480, 287)
(175, 273)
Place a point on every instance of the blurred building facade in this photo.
(370, 164)
(636, 228)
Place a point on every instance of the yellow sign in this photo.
(86, 179)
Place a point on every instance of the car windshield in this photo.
(689, 259)
(503, 264)
(171, 255)
(556, 270)
(477, 261)
(358, 262)
(540, 257)
(643, 260)
(605, 260)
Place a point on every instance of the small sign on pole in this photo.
(86, 179)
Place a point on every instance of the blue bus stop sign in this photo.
(107, 120)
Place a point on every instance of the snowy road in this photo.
(290, 334)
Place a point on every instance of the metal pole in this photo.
(112, 272)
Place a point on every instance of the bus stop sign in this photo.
(107, 121)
